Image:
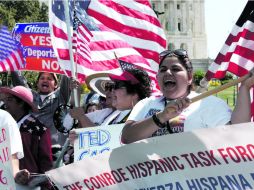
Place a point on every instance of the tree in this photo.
(12, 12)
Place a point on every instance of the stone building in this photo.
(184, 25)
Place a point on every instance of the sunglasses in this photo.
(178, 52)
(119, 85)
(115, 86)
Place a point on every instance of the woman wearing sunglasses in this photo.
(124, 92)
(172, 112)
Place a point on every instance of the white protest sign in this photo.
(212, 159)
(6, 174)
(97, 140)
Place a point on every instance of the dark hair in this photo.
(181, 54)
(143, 88)
(90, 105)
(53, 75)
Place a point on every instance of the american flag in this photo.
(81, 40)
(135, 22)
(106, 43)
(98, 55)
(236, 55)
(59, 36)
(11, 56)
(125, 65)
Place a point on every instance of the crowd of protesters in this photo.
(127, 100)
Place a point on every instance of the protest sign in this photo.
(38, 50)
(97, 140)
(215, 158)
(6, 174)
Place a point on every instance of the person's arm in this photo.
(18, 79)
(15, 163)
(74, 84)
(138, 130)
(20, 176)
(242, 110)
(65, 89)
(79, 114)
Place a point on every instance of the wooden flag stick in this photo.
(215, 90)
(73, 64)
(220, 88)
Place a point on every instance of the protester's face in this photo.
(121, 100)
(91, 108)
(11, 104)
(46, 83)
(173, 78)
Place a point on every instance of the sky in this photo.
(220, 17)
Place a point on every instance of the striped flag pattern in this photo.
(125, 65)
(135, 22)
(11, 56)
(236, 55)
(80, 43)
(95, 44)
(105, 44)
(59, 37)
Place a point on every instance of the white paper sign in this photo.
(211, 159)
(93, 141)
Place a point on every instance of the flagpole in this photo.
(216, 90)
(73, 69)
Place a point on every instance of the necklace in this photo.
(167, 123)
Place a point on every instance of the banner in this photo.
(96, 140)
(38, 50)
(6, 173)
(216, 158)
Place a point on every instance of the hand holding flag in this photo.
(236, 55)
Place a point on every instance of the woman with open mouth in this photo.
(173, 112)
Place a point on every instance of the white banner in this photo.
(211, 159)
(6, 174)
(96, 140)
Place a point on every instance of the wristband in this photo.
(157, 121)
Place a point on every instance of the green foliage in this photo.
(198, 76)
(227, 77)
(31, 77)
(4, 79)
(229, 95)
(12, 12)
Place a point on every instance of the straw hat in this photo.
(97, 82)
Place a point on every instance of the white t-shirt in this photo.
(107, 116)
(206, 113)
(15, 139)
